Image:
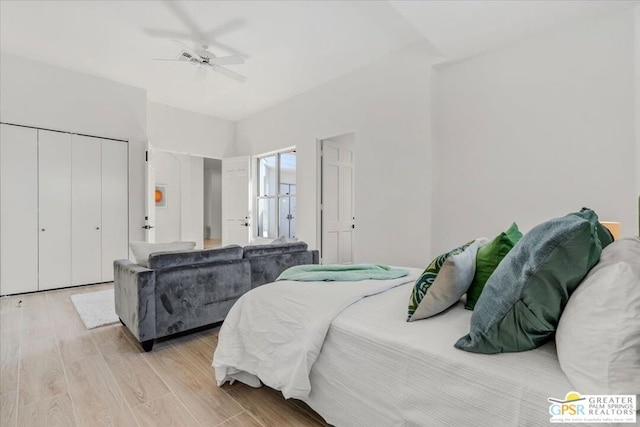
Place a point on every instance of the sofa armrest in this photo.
(135, 300)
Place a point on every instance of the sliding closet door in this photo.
(18, 209)
(54, 220)
(86, 212)
(115, 202)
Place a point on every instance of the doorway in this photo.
(212, 203)
(337, 216)
(185, 201)
(169, 194)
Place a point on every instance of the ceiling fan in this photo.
(205, 60)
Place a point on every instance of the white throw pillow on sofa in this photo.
(284, 239)
(142, 250)
(598, 336)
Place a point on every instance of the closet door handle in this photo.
(97, 228)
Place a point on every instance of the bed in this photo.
(347, 349)
(353, 358)
(375, 369)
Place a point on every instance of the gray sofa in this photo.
(184, 290)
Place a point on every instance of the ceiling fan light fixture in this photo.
(204, 58)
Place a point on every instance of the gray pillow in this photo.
(142, 250)
(521, 303)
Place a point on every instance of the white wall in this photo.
(193, 202)
(40, 95)
(169, 219)
(386, 105)
(175, 129)
(183, 218)
(213, 197)
(536, 130)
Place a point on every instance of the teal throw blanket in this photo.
(341, 273)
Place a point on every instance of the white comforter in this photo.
(274, 333)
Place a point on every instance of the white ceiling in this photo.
(290, 46)
(459, 29)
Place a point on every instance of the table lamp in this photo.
(614, 228)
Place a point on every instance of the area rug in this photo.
(96, 308)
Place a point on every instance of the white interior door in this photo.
(235, 200)
(18, 209)
(150, 200)
(86, 211)
(338, 220)
(115, 202)
(54, 219)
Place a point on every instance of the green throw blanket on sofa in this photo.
(341, 273)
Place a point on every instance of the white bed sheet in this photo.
(274, 333)
(375, 369)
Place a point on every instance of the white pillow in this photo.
(598, 336)
(452, 281)
(260, 241)
(284, 239)
(142, 250)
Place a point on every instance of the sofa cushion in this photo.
(191, 296)
(177, 258)
(255, 251)
(142, 250)
(521, 303)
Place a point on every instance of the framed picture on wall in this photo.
(161, 195)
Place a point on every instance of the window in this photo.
(276, 197)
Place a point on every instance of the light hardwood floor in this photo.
(54, 372)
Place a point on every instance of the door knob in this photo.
(43, 229)
(97, 228)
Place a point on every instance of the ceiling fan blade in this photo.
(227, 60)
(227, 27)
(226, 48)
(186, 47)
(178, 10)
(165, 34)
(204, 53)
(227, 72)
(166, 59)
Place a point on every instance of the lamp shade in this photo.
(614, 228)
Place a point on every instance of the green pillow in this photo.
(487, 260)
(521, 303)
